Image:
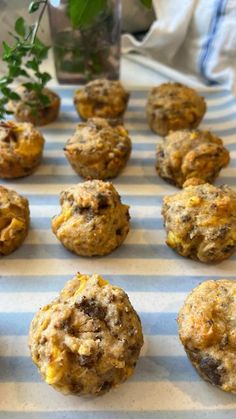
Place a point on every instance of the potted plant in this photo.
(86, 38)
(31, 101)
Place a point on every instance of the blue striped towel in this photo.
(164, 385)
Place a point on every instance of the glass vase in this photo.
(89, 52)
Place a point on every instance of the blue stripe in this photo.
(22, 369)
(138, 283)
(153, 323)
(209, 45)
(131, 414)
(138, 93)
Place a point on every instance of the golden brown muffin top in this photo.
(191, 153)
(208, 316)
(21, 138)
(175, 97)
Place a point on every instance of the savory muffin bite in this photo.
(173, 106)
(98, 149)
(14, 220)
(37, 115)
(207, 331)
(185, 154)
(21, 148)
(93, 221)
(200, 222)
(103, 98)
(87, 340)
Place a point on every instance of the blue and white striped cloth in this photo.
(165, 385)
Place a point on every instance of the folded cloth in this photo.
(195, 37)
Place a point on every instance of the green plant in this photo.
(23, 59)
(83, 12)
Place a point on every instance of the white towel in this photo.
(195, 37)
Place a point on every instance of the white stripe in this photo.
(135, 211)
(11, 346)
(111, 266)
(147, 302)
(130, 396)
(135, 236)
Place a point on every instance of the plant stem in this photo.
(36, 27)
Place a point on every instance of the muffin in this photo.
(98, 149)
(21, 148)
(185, 154)
(173, 106)
(207, 331)
(93, 221)
(87, 340)
(102, 98)
(14, 220)
(37, 115)
(200, 222)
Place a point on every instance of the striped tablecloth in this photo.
(165, 385)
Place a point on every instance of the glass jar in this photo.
(90, 52)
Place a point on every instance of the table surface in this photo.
(157, 280)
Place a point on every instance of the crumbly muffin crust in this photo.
(185, 154)
(98, 149)
(43, 116)
(200, 222)
(21, 148)
(93, 221)
(173, 106)
(14, 220)
(207, 329)
(87, 340)
(102, 98)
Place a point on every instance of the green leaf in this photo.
(147, 3)
(6, 91)
(44, 99)
(33, 7)
(31, 86)
(14, 96)
(20, 26)
(45, 77)
(6, 48)
(3, 81)
(83, 12)
(33, 64)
